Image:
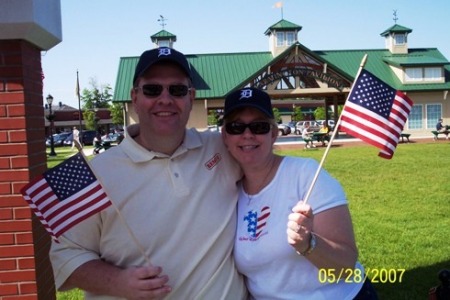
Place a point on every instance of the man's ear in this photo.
(133, 95)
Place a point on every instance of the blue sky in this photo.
(97, 33)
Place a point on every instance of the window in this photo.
(280, 39)
(400, 39)
(413, 74)
(432, 74)
(163, 43)
(434, 113)
(290, 38)
(415, 117)
(423, 74)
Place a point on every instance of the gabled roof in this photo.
(283, 25)
(215, 75)
(396, 29)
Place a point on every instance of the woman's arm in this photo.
(335, 243)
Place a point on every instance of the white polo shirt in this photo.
(181, 208)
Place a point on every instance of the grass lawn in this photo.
(400, 210)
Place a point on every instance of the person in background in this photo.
(75, 137)
(97, 141)
(283, 245)
(176, 190)
(324, 129)
(306, 136)
(441, 128)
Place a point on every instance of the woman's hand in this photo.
(299, 227)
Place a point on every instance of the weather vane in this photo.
(395, 16)
(162, 20)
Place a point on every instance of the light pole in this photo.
(50, 118)
(96, 118)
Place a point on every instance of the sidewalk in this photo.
(88, 152)
(347, 142)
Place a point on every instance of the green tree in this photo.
(213, 117)
(319, 113)
(277, 115)
(298, 114)
(94, 98)
(116, 110)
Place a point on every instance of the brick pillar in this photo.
(25, 270)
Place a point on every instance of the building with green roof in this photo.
(294, 75)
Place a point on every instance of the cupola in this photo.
(282, 35)
(396, 38)
(163, 39)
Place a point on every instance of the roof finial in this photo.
(395, 16)
(162, 20)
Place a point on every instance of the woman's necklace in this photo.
(263, 182)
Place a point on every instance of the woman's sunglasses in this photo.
(154, 90)
(255, 127)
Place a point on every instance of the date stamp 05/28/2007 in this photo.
(377, 275)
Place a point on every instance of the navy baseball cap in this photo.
(249, 97)
(150, 57)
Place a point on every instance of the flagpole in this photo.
(79, 107)
(336, 129)
(122, 219)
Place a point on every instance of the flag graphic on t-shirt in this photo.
(257, 221)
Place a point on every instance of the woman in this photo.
(319, 234)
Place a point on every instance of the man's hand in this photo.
(133, 283)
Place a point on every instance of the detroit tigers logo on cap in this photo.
(247, 93)
(164, 52)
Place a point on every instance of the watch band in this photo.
(311, 247)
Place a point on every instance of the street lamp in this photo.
(50, 118)
(96, 118)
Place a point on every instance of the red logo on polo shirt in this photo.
(213, 161)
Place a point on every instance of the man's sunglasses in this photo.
(255, 127)
(154, 90)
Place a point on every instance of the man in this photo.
(75, 137)
(170, 230)
(441, 128)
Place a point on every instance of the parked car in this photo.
(283, 129)
(87, 137)
(292, 125)
(313, 126)
(68, 140)
(58, 139)
(115, 137)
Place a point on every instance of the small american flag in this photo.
(65, 195)
(376, 113)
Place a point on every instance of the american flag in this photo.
(376, 113)
(65, 195)
(256, 223)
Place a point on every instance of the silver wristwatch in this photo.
(312, 245)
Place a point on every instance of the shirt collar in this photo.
(137, 153)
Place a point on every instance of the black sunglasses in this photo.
(154, 90)
(255, 127)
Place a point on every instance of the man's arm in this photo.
(101, 278)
